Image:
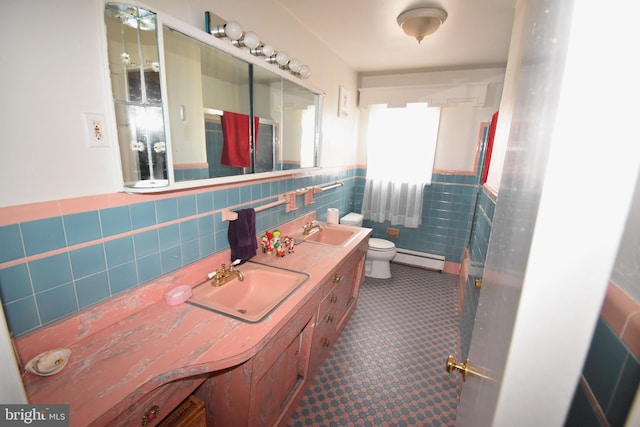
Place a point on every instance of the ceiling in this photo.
(365, 34)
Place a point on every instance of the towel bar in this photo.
(228, 215)
(328, 187)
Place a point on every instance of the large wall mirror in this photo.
(192, 111)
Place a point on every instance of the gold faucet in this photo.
(225, 274)
(309, 227)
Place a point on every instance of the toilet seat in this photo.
(380, 245)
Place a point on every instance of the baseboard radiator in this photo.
(419, 259)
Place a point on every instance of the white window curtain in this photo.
(401, 146)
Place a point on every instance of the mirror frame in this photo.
(163, 19)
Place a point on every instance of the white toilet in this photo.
(380, 251)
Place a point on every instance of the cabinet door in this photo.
(280, 380)
(277, 384)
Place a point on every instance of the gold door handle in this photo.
(463, 368)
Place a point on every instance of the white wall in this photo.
(52, 72)
(54, 69)
(506, 104)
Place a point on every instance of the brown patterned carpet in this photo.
(388, 367)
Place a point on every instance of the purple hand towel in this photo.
(242, 235)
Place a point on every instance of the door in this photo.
(11, 388)
(570, 168)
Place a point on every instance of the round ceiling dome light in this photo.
(422, 21)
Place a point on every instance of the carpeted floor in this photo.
(388, 367)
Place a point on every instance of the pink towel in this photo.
(236, 150)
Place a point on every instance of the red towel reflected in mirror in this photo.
(236, 150)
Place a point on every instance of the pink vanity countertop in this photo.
(114, 365)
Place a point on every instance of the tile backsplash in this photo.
(52, 267)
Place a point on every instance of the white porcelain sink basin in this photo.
(331, 235)
(252, 299)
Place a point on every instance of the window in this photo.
(401, 145)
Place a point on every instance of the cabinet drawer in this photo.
(191, 413)
(158, 404)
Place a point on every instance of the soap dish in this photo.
(178, 295)
(49, 363)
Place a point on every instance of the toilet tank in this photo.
(353, 219)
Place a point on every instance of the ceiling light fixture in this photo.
(421, 22)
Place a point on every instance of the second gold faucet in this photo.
(222, 276)
(310, 227)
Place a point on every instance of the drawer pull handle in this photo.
(150, 415)
(326, 342)
(336, 278)
(333, 299)
(329, 318)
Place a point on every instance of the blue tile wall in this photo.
(43, 235)
(582, 413)
(188, 174)
(157, 237)
(115, 220)
(447, 213)
(612, 374)
(11, 247)
(478, 253)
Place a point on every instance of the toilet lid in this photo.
(380, 244)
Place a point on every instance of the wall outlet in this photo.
(95, 130)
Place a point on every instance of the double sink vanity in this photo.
(247, 348)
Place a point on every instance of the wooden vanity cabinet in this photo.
(266, 389)
(261, 390)
(336, 306)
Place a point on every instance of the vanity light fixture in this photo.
(304, 71)
(422, 21)
(263, 50)
(232, 30)
(294, 65)
(281, 58)
(248, 39)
